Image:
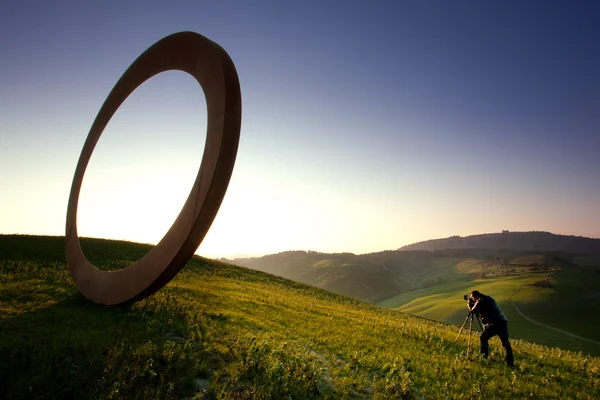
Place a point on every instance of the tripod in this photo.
(470, 319)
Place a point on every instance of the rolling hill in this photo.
(519, 241)
(225, 332)
(365, 277)
(378, 276)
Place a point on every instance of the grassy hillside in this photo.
(377, 276)
(224, 332)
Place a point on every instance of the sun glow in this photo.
(145, 163)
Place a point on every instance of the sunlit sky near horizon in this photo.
(366, 126)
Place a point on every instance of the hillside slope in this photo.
(366, 277)
(224, 332)
(519, 241)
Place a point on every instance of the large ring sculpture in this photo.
(211, 66)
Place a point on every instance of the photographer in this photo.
(494, 322)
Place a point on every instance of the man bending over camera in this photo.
(494, 323)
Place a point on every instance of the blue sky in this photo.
(365, 126)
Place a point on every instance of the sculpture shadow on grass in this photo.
(75, 348)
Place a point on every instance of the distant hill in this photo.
(520, 241)
(378, 276)
(369, 277)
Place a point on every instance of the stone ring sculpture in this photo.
(211, 66)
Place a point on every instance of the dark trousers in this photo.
(502, 331)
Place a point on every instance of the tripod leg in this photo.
(480, 325)
(461, 328)
(470, 330)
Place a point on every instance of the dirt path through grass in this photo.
(544, 325)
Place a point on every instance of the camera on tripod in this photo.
(470, 317)
(470, 299)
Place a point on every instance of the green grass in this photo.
(224, 332)
(564, 306)
(572, 304)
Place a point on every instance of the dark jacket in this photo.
(488, 310)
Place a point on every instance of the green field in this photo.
(571, 304)
(223, 332)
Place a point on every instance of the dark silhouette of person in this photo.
(494, 323)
